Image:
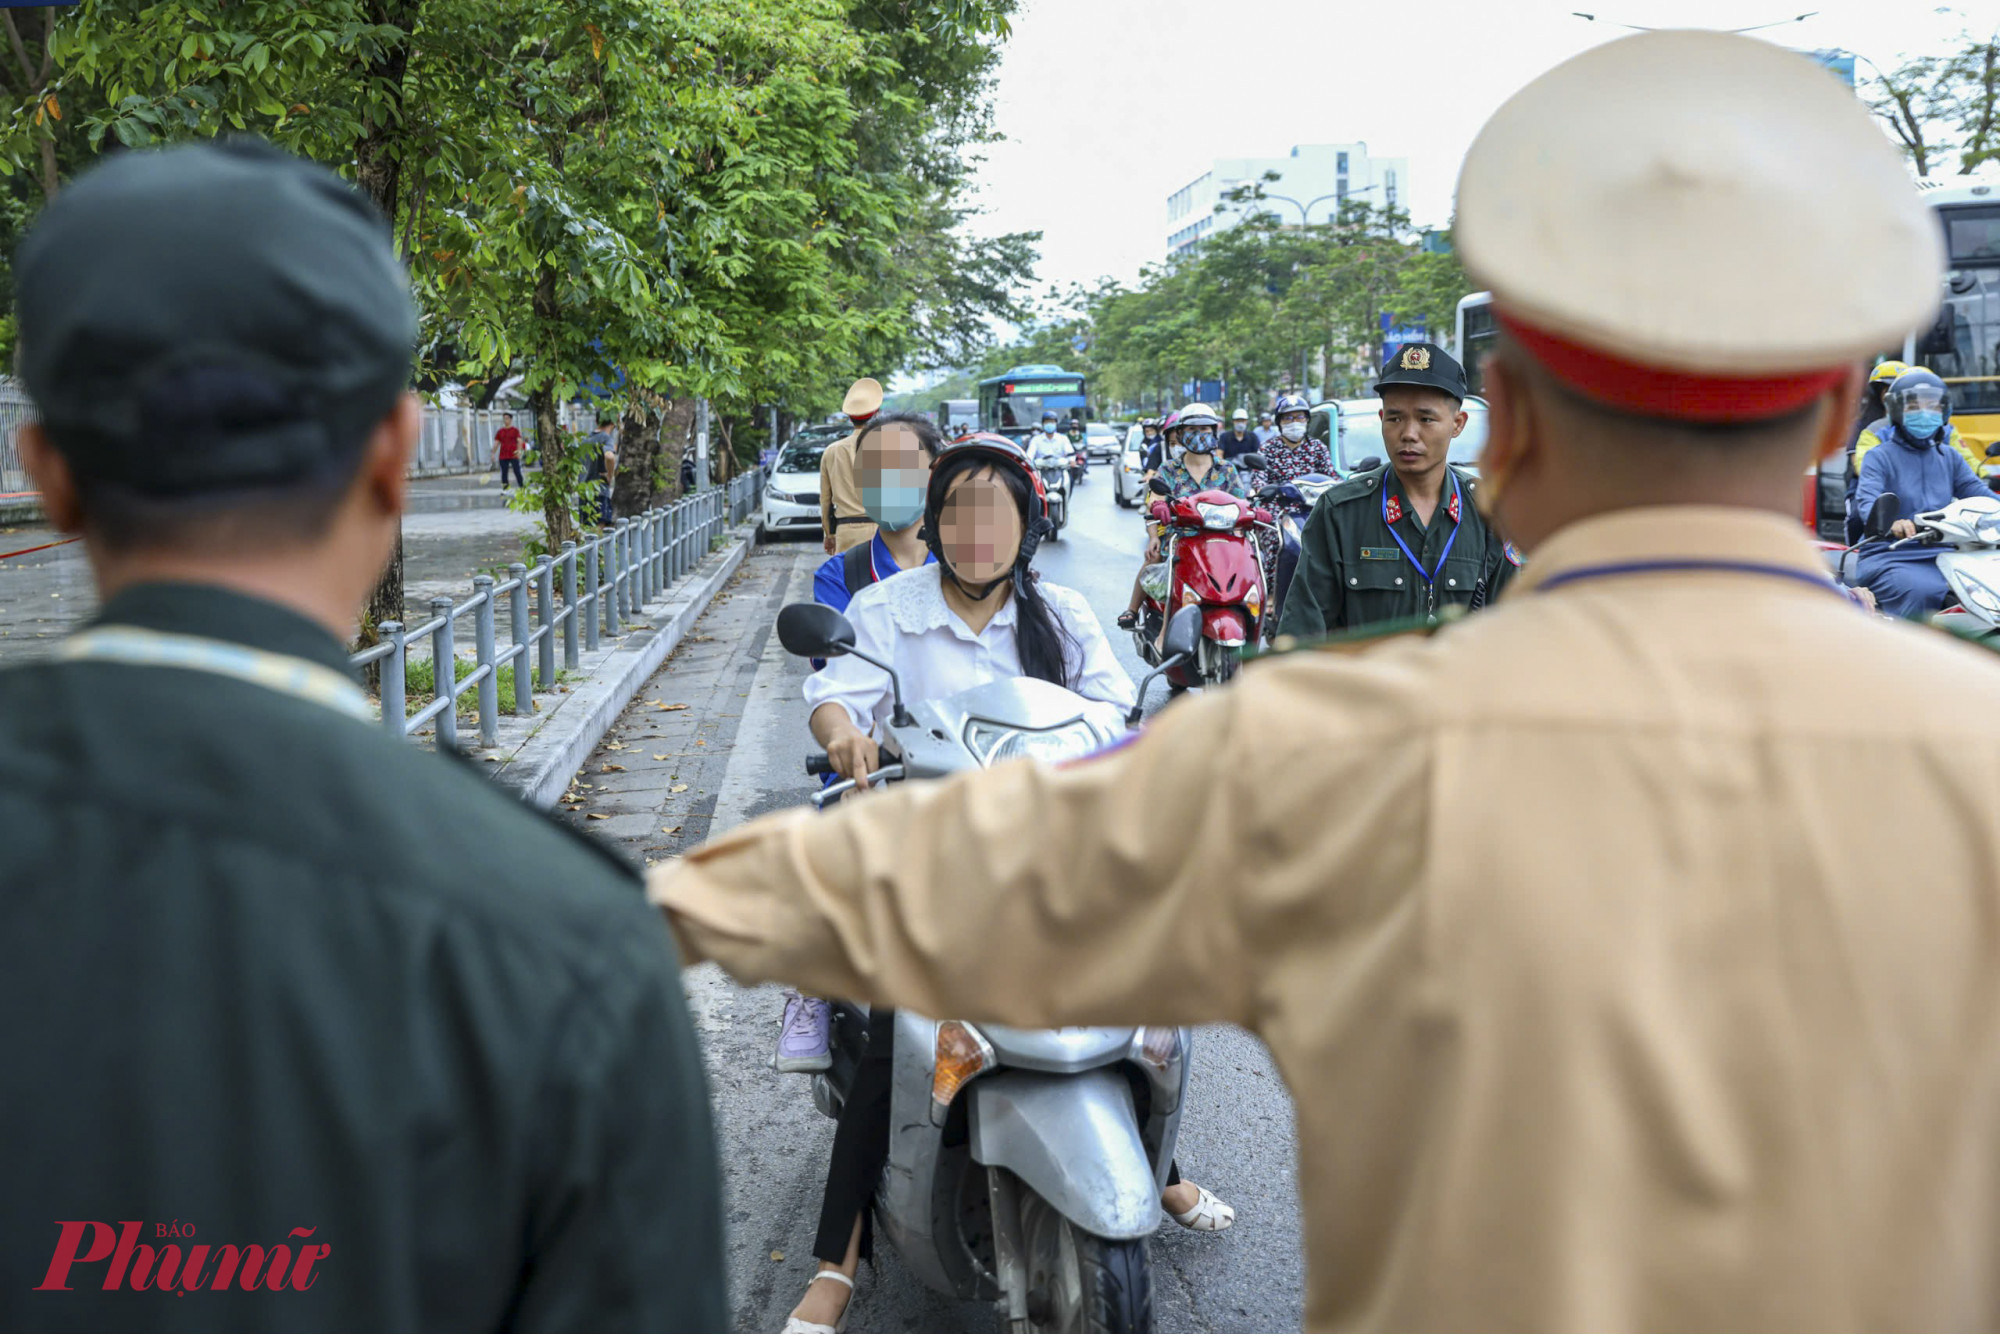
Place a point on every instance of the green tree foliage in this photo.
(1943, 108)
(1261, 306)
(751, 201)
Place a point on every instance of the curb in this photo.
(542, 765)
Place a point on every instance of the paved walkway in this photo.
(457, 527)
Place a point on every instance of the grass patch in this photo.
(420, 686)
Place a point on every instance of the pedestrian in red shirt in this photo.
(508, 438)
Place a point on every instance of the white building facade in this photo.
(1312, 181)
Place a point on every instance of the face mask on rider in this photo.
(979, 530)
(1922, 423)
(1201, 441)
(893, 471)
(1293, 432)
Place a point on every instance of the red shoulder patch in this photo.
(1392, 509)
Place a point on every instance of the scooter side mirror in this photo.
(1158, 486)
(1254, 461)
(1883, 514)
(1993, 449)
(1183, 633)
(814, 630)
(1369, 464)
(1267, 493)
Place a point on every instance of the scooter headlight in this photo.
(1987, 530)
(1980, 595)
(992, 743)
(1222, 517)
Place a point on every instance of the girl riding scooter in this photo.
(976, 615)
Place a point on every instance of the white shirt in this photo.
(903, 620)
(1046, 446)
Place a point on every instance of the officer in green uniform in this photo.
(1404, 541)
(287, 1003)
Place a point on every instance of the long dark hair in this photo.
(1041, 634)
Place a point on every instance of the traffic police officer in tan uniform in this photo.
(1601, 1011)
(841, 511)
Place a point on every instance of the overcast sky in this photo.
(1108, 106)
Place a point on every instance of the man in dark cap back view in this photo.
(303, 1028)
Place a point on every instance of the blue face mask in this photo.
(893, 506)
(1922, 423)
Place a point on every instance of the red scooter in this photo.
(1211, 554)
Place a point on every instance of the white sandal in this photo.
(1208, 1215)
(798, 1326)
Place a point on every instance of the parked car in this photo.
(1100, 441)
(791, 494)
(1128, 479)
(1352, 428)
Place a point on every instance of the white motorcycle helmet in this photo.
(1199, 426)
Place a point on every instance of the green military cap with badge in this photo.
(1423, 366)
(212, 318)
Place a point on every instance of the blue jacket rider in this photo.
(1917, 463)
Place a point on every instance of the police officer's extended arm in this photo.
(1147, 885)
(1314, 603)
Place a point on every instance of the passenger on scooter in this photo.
(1289, 456)
(1199, 468)
(1877, 431)
(1925, 473)
(1167, 446)
(976, 614)
(893, 457)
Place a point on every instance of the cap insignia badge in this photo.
(1416, 358)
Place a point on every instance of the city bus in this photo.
(1013, 403)
(1963, 346)
(1475, 334)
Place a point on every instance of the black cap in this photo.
(1426, 365)
(211, 317)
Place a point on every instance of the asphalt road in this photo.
(668, 777)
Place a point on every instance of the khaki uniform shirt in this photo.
(840, 497)
(1602, 1010)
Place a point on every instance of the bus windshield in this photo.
(1014, 402)
(1964, 345)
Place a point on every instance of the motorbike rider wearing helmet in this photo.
(977, 614)
(1200, 467)
(1289, 455)
(1917, 463)
(1877, 431)
(1870, 421)
(1166, 447)
(1048, 444)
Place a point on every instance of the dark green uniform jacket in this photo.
(270, 977)
(1352, 571)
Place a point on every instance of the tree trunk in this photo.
(378, 159)
(559, 488)
(638, 481)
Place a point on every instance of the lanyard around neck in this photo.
(1443, 502)
(133, 647)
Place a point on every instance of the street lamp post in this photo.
(1305, 209)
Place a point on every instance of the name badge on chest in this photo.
(1381, 553)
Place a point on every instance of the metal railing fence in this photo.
(16, 410)
(604, 582)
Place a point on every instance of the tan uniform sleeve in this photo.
(826, 486)
(1149, 885)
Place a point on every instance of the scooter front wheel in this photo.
(1079, 1283)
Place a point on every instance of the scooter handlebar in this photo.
(822, 763)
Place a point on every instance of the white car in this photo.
(1352, 428)
(1101, 441)
(791, 493)
(1128, 479)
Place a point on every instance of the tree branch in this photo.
(20, 55)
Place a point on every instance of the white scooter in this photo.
(1025, 1167)
(1970, 526)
